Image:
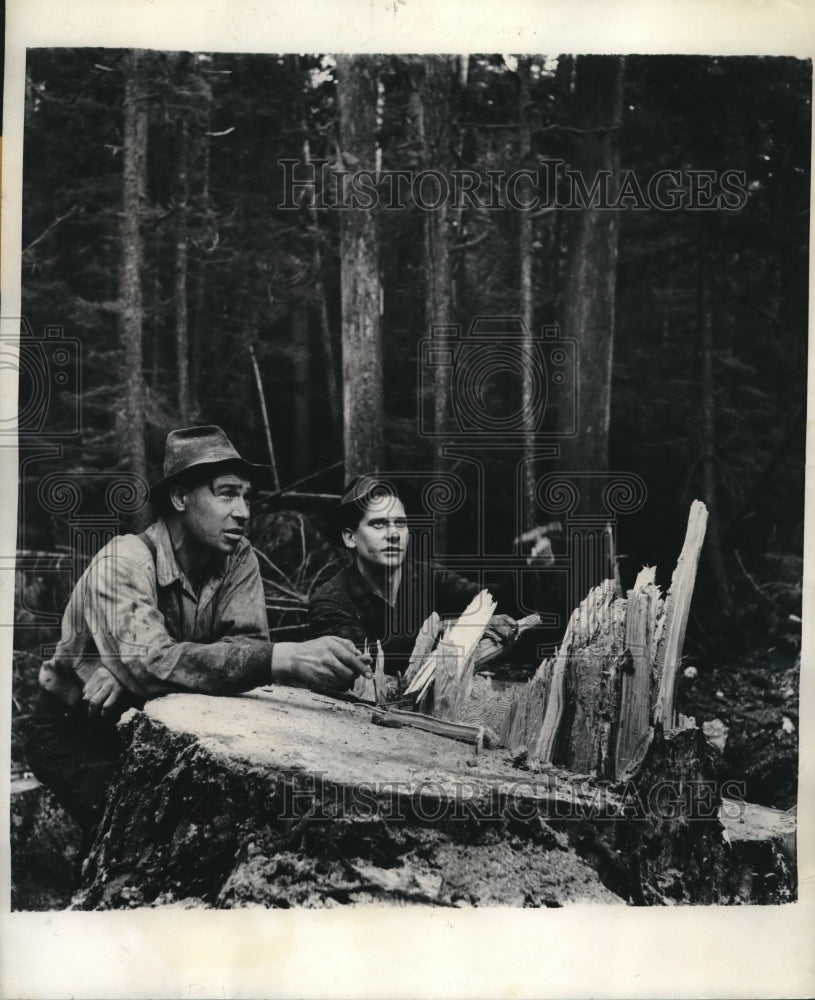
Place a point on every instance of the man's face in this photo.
(216, 513)
(381, 538)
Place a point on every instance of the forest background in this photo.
(154, 237)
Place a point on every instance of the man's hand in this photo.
(502, 629)
(105, 696)
(329, 662)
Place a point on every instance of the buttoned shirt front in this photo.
(136, 613)
(347, 606)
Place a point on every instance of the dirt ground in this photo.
(751, 714)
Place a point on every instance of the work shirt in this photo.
(137, 614)
(347, 606)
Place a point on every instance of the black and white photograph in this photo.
(408, 451)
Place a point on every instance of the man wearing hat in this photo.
(178, 608)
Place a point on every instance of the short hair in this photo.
(351, 514)
(357, 498)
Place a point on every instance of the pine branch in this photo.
(60, 218)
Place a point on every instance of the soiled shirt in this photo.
(347, 606)
(140, 617)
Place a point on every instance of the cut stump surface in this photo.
(287, 797)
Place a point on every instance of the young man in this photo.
(178, 608)
(383, 594)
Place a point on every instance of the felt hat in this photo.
(194, 447)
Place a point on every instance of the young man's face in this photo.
(216, 513)
(381, 538)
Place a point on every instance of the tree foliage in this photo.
(226, 270)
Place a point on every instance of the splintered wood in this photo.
(677, 609)
(372, 688)
(593, 705)
(425, 642)
(491, 645)
(639, 679)
(450, 663)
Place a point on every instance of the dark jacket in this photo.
(346, 606)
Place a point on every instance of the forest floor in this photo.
(750, 711)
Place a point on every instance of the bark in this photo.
(155, 312)
(526, 306)
(589, 295)
(638, 678)
(436, 92)
(363, 414)
(459, 215)
(677, 610)
(338, 810)
(134, 157)
(326, 338)
(181, 270)
(596, 704)
(333, 810)
(206, 214)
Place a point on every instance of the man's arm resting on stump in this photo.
(327, 662)
(139, 653)
(334, 620)
(330, 663)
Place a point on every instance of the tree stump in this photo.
(286, 797)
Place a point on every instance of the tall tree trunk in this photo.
(325, 329)
(198, 329)
(302, 383)
(589, 295)
(153, 361)
(132, 314)
(708, 432)
(459, 218)
(526, 303)
(437, 154)
(326, 338)
(181, 268)
(361, 290)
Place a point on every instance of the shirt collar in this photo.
(167, 567)
(360, 588)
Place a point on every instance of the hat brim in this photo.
(260, 476)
